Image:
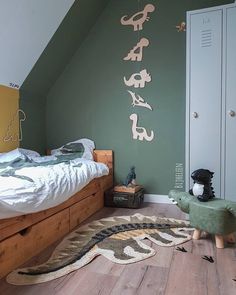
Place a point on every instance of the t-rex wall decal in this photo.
(138, 80)
(140, 133)
(138, 18)
(139, 101)
(136, 54)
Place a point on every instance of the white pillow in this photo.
(28, 153)
(16, 153)
(88, 144)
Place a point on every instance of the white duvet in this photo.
(50, 186)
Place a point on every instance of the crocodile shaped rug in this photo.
(119, 239)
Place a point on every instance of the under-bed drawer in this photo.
(20, 247)
(85, 208)
(13, 225)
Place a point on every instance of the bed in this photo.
(24, 236)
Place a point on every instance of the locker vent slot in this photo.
(206, 38)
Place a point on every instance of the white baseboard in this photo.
(151, 198)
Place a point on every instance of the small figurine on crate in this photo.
(202, 185)
(131, 177)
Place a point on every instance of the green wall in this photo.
(34, 128)
(70, 34)
(90, 99)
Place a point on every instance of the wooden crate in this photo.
(124, 199)
(127, 189)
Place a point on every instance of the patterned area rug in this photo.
(119, 239)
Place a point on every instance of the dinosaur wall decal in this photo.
(138, 80)
(137, 100)
(138, 19)
(136, 54)
(10, 136)
(140, 133)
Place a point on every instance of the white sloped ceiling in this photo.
(26, 27)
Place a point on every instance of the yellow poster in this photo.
(9, 118)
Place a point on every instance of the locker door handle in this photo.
(231, 113)
(195, 115)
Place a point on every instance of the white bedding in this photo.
(46, 187)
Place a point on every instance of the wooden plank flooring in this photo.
(169, 272)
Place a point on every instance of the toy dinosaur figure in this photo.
(202, 188)
(130, 178)
(181, 27)
(217, 216)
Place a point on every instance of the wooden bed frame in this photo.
(25, 236)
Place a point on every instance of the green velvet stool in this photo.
(217, 216)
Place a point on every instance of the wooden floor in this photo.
(169, 272)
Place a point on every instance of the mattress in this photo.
(29, 185)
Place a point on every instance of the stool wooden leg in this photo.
(196, 234)
(230, 238)
(219, 241)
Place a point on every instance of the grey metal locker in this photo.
(230, 105)
(205, 37)
(211, 96)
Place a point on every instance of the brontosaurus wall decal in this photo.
(140, 133)
(136, 54)
(21, 116)
(138, 80)
(139, 101)
(138, 18)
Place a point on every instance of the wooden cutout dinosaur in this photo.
(139, 101)
(140, 133)
(136, 54)
(138, 80)
(138, 18)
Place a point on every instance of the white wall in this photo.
(26, 27)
